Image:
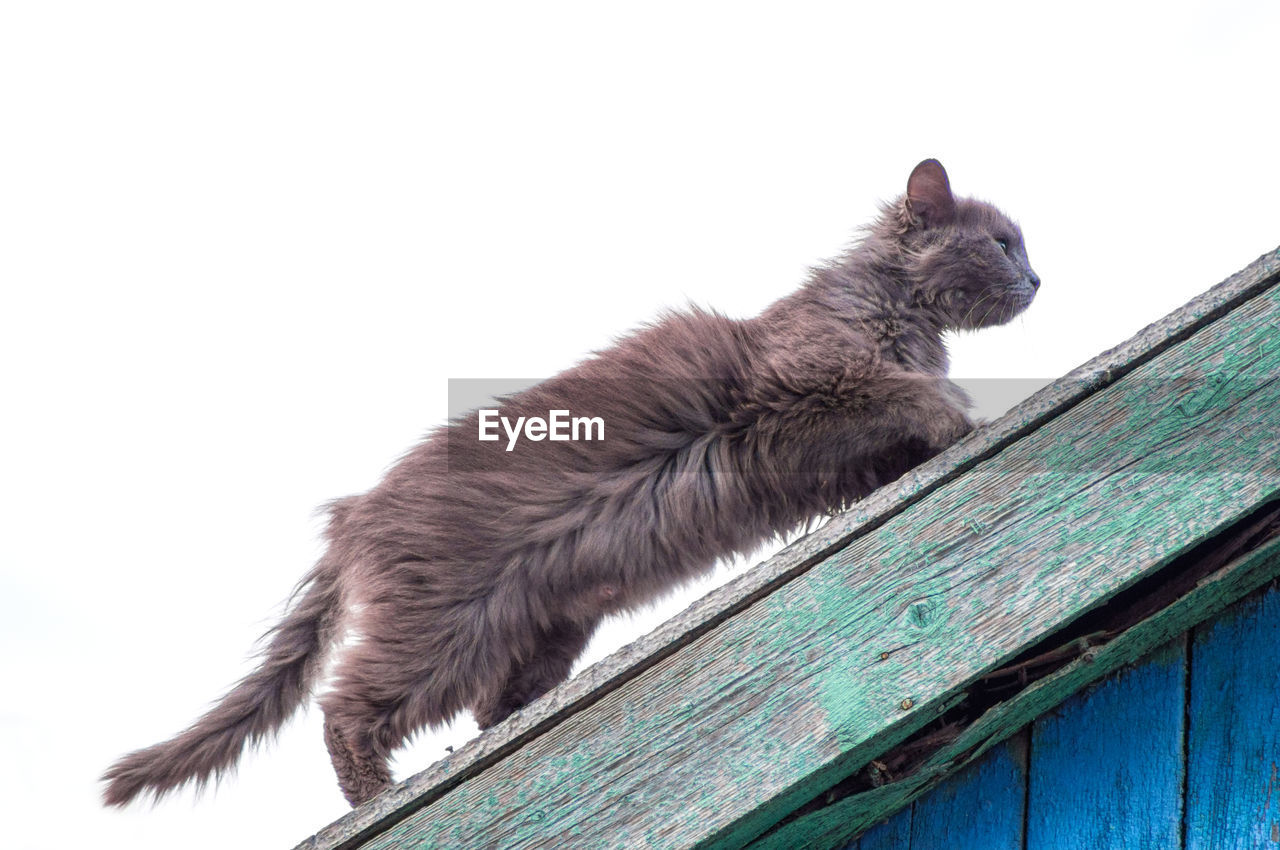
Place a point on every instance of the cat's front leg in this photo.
(831, 439)
(871, 430)
(896, 407)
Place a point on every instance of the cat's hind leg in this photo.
(555, 651)
(362, 775)
(356, 709)
(374, 703)
(395, 680)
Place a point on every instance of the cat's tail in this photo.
(253, 709)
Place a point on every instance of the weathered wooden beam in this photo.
(1076, 758)
(836, 824)
(714, 727)
(1233, 746)
(982, 806)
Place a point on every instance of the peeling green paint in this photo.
(724, 737)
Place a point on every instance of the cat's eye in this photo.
(1004, 245)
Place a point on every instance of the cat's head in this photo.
(966, 260)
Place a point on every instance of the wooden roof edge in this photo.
(1211, 578)
(718, 606)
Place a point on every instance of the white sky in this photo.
(244, 245)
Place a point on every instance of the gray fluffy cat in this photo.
(475, 575)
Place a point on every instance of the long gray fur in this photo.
(474, 575)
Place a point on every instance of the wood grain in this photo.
(1108, 765)
(719, 740)
(1233, 768)
(892, 834)
(601, 679)
(980, 807)
(837, 823)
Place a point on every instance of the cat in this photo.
(476, 571)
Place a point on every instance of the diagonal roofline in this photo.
(682, 636)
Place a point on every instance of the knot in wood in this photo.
(922, 613)
(1202, 397)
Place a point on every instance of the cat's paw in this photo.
(949, 421)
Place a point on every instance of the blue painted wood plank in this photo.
(1233, 749)
(981, 807)
(1106, 768)
(892, 834)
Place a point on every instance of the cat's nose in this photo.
(1033, 279)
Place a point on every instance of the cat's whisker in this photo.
(965, 321)
(995, 305)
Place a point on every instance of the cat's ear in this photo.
(929, 194)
